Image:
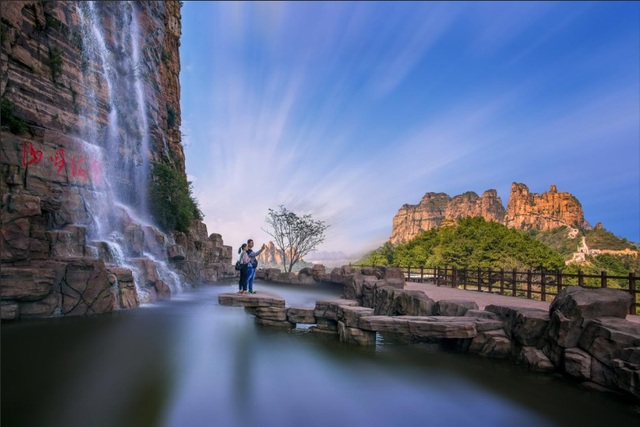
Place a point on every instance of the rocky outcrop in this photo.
(271, 257)
(525, 210)
(436, 208)
(84, 118)
(544, 211)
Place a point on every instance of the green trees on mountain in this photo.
(470, 243)
(599, 238)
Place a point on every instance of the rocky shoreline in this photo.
(584, 334)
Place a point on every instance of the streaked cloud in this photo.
(349, 110)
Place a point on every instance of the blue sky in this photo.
(347, 111)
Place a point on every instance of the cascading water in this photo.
(113, 78)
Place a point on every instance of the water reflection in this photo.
(190, 362)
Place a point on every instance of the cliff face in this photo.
(524, 211)
(90, 101)
(434, 208)
(544, 211)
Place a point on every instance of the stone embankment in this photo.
(583, 334)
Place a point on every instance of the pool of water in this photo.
(191, 362)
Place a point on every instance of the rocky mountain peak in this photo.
(525, 210)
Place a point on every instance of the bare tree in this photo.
(294, 235)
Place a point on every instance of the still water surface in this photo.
(190, 362)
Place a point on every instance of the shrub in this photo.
(173, 206)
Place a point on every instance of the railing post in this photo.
(489, 279)
(603, 279)
(422, 274)
(543, 295)
(529, 283)
(479, 280)
(513, 285)
(559, 277)
(453, 277)
(580, 279)
(465, 278)
(409, 273)
(436, 272)
(502, 281)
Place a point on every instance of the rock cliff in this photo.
(90, 102)
(544, 211)
(434, 208)
(524, 211)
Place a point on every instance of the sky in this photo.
(346, 111)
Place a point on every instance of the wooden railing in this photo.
(532, 284)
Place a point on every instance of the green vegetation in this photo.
(470, 243)
(165, 56)
(558, 239)
(613, 265)
(55, 63)
(171, 117)
(173, 206)
(599, 238)
(8, 119)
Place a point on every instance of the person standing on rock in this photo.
(244, 271)
(253, 265)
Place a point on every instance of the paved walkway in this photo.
(483, 299)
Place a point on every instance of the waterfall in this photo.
(119, 142)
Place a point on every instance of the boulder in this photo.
(350, 315)
(605, 338)
(250, 300)
(355, 336)
(453, 307)
(275, 323)
(8, 310)
(575, 302)
(318, 272)
(535, 359)
(482, 314)
(627, 371)
(577, 363)
(301, 315)
(86, 288)
(389, 301)
(163, 291)
(527, 326)
(176, 253)
(330, 309)
(123, 279)
(269, 313)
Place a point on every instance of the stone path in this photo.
(483, 299)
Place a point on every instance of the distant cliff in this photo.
(525, 210)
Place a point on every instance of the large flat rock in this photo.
(259, 299)
(429, 326)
